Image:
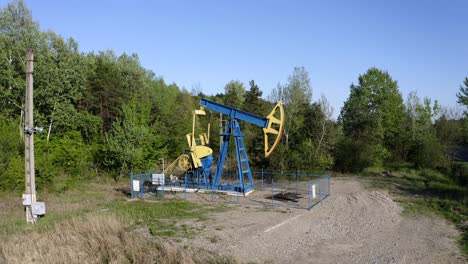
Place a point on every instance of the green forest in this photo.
(105, 115)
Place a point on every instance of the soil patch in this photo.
(353, 225)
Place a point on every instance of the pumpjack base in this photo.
(235, 188)
(201, 190)
(247, 188)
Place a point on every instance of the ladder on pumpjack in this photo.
(272, 126)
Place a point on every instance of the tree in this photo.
(449, 131)
(234, 94)
(421, 144)
(197, 90)
(372, 117)
(319, 135)
(182, 121)
(105, 109)
(462, 95)
(18, 32)
(111, 82)
(131, 143)
(60, 79)
(296, 96)
(254, 103)
(327, 112)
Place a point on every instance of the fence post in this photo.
(131, 185)
(320, 189)
(297, 182)
(142, 191)
(212, 193)
(308, 192)
(185, 186)
(329, 190)
(262, 179)
(272, 192)
(150, 178)
(162, 185)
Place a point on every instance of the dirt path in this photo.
(353, 225)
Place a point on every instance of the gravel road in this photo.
(353, 225)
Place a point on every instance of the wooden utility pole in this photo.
(29, 140)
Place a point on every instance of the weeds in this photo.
(98, 225)
(97, 239)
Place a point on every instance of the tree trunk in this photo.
(321, 139)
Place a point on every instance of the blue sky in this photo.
(422, 44)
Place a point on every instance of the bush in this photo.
(60, 163)
(11, 161)
(354, 156)
(13, 178)
(63, 162)
(447, 191)
(459, 173)
(428, 153)
(434, 176)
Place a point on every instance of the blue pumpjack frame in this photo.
(233, 129)
(243, 167)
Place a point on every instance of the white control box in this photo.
(38, 208)
(158, 179)
(313, 191)
(27, 199)
(136, 185)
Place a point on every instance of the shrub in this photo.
(63, 162)
(11, 161)
(459, 173)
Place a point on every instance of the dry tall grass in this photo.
(97, 239)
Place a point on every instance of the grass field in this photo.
(97, 224)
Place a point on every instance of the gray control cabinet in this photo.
(38, 208)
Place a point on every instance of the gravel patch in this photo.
(353, 225)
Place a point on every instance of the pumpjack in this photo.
(197, 163)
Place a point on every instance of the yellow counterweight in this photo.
(275, 128)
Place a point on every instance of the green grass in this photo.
(59, 207)
(160, 216)
(424, 192)
(165, 233)
(163, 217)
(144, 211)
(100, 215)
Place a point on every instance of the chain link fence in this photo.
(272, 189)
